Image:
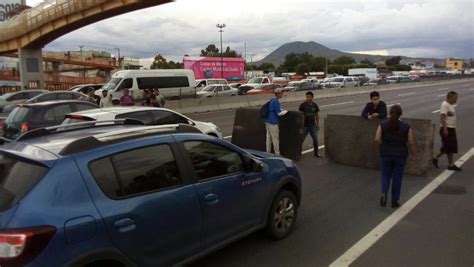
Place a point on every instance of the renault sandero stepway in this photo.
(134, 195)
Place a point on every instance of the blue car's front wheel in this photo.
(282, 215)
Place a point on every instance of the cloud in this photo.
(434, 28)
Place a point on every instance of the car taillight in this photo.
(20, 246)
(24, 127)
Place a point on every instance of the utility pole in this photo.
(326, 67)
(118, 51)
(83, 67)
(221, 27)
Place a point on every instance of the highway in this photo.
(340, 221)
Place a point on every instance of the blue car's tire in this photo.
(282, 215)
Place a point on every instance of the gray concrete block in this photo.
(349, 140)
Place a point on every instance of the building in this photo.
(210, 67)
(455, 64)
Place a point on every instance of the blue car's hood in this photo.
(261, 154)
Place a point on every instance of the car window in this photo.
(32, 94)
(226, 88)
(219, 88)
(46, 97)
(65, 96)
(161, 117)
(16, 97)
(126, 84)
(137, 171)
(57, 113)
(139, 115)
(221, 82)
(17, 178)
(84, 106)
(212, 160)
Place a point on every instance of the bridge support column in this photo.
(31, 68)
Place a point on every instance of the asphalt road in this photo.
(340, 203)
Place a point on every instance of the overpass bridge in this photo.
(31, 30)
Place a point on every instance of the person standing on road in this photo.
(448, 131)
(393, 135)
(272, 124)
(159, 98)
(375, 109)
(311, 120)
(146, 97)
(91, 96)
(127, 99)
(106, 100)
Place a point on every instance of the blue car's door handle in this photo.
(125, 225)
(211, 199)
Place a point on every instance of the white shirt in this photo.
(106, 102)
(448, 110)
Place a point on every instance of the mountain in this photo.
(277, 57)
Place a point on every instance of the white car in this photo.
(148, 115)
(217, 90)
(341, 82)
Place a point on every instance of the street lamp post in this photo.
(118, 50)
(221, 27)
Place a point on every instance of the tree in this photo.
(319, 64)
(393, 61)
(161, 63)
(344, 60)
(231, 53)
(210, 51)
(302, 69)
(367, 62)
(266, 67)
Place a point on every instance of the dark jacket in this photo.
(371, 109)
(394, 143)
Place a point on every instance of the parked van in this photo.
(205, 82)
(173, 84)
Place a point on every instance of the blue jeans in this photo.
(314, 134)
(392, 169)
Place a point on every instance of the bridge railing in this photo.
(45, 12)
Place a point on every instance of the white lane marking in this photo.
(311, 150)
(471, 89)
(407, 94)
(443, 89)
(228, 137)
(437, 111)
(442, 95)
(337, 104)
(393, 104)
(371, 238)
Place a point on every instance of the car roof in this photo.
(54, 102)
(116, 110)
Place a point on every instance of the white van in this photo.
(205, 82)
(173, 84)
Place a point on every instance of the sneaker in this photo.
(435, 162)
(383, 201)
(317, 155)
(454, 168)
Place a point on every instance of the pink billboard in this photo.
(210, 67)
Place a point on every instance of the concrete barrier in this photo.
(231, 102)
(249, 132)
(350, 140)
(198, 105)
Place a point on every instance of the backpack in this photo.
(265, 111)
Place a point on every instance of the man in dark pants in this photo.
(375, 109)
(311, 121)
(448, 131)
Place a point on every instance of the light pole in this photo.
(83, 66)
(221, 27)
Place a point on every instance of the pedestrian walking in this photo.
(394, 138)
(448, 131)
(106, 100)
(127, 99)
(159, 98)
(272, 124)
(146, 97)
(311, 121)
(376, 108)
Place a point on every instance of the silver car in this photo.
(19, 97)
(49, 96)
(217, 90)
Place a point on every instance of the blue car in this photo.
(130, 195)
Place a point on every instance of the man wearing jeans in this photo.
(271, 123)
(311, 120)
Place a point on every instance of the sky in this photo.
(434, 28)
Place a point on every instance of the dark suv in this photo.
(26, 117)
(130, 195)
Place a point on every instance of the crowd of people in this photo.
(151, 98)
(395, 137)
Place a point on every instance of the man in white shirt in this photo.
(448, 131)
(106, 100)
